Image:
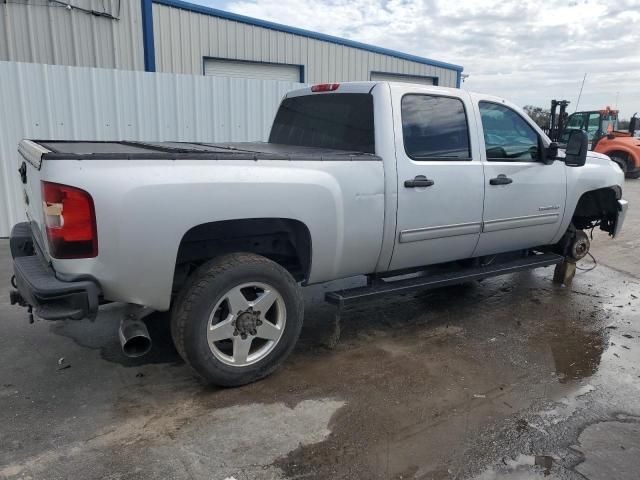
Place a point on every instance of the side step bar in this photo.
(342, 298)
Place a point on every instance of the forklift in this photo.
(623, 147)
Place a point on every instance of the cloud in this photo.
(529, 52)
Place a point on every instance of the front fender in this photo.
(597, 173)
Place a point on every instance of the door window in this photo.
(574, 122)
(593, 128)
(507, 136)
(435, 128)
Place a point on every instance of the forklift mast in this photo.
(558, 120)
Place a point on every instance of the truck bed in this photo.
(95, 150)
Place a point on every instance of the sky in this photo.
(526, 51)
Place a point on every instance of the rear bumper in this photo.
(623, 205)
(50, 297)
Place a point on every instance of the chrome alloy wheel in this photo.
(246, 324)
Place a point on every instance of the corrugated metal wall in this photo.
(42, 31)
(183, 38)
(72, 103)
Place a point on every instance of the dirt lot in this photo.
(478, 381)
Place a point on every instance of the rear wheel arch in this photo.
(283, 240)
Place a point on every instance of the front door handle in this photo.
(501, 179)
(418, 181)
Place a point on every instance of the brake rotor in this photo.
(580, 245)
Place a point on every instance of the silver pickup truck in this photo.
(412, 186)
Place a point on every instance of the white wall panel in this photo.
(80, 103)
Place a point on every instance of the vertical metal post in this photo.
(148, 44)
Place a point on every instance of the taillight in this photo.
(70, 221)
(325, 87)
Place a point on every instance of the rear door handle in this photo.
(418, 181)
(501, 179)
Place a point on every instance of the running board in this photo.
(381, 287)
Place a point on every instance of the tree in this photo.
(540, 115)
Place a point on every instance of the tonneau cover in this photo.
(81, 150)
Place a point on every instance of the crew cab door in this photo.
(440, 177)
(524, 198)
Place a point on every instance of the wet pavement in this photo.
(511, 378)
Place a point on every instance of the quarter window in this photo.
(507, 136)
(435, 128)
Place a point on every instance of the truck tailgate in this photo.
(30, 175)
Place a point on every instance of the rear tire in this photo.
(237, 318)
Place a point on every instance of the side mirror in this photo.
(550, 153)
(577, 147)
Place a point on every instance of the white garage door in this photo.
(262, 71)
(392, 77)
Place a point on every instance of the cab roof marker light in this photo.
(325, 87)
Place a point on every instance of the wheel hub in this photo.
(580, 246)
(238, 332)
(247, 323)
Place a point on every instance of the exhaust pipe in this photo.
(134, 337)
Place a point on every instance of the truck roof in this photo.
(365, 87)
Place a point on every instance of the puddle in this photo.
(564, 407)
(576, 352)
(424, 373)
(523, 467)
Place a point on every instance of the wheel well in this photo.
(285, 241)
(597, 208)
